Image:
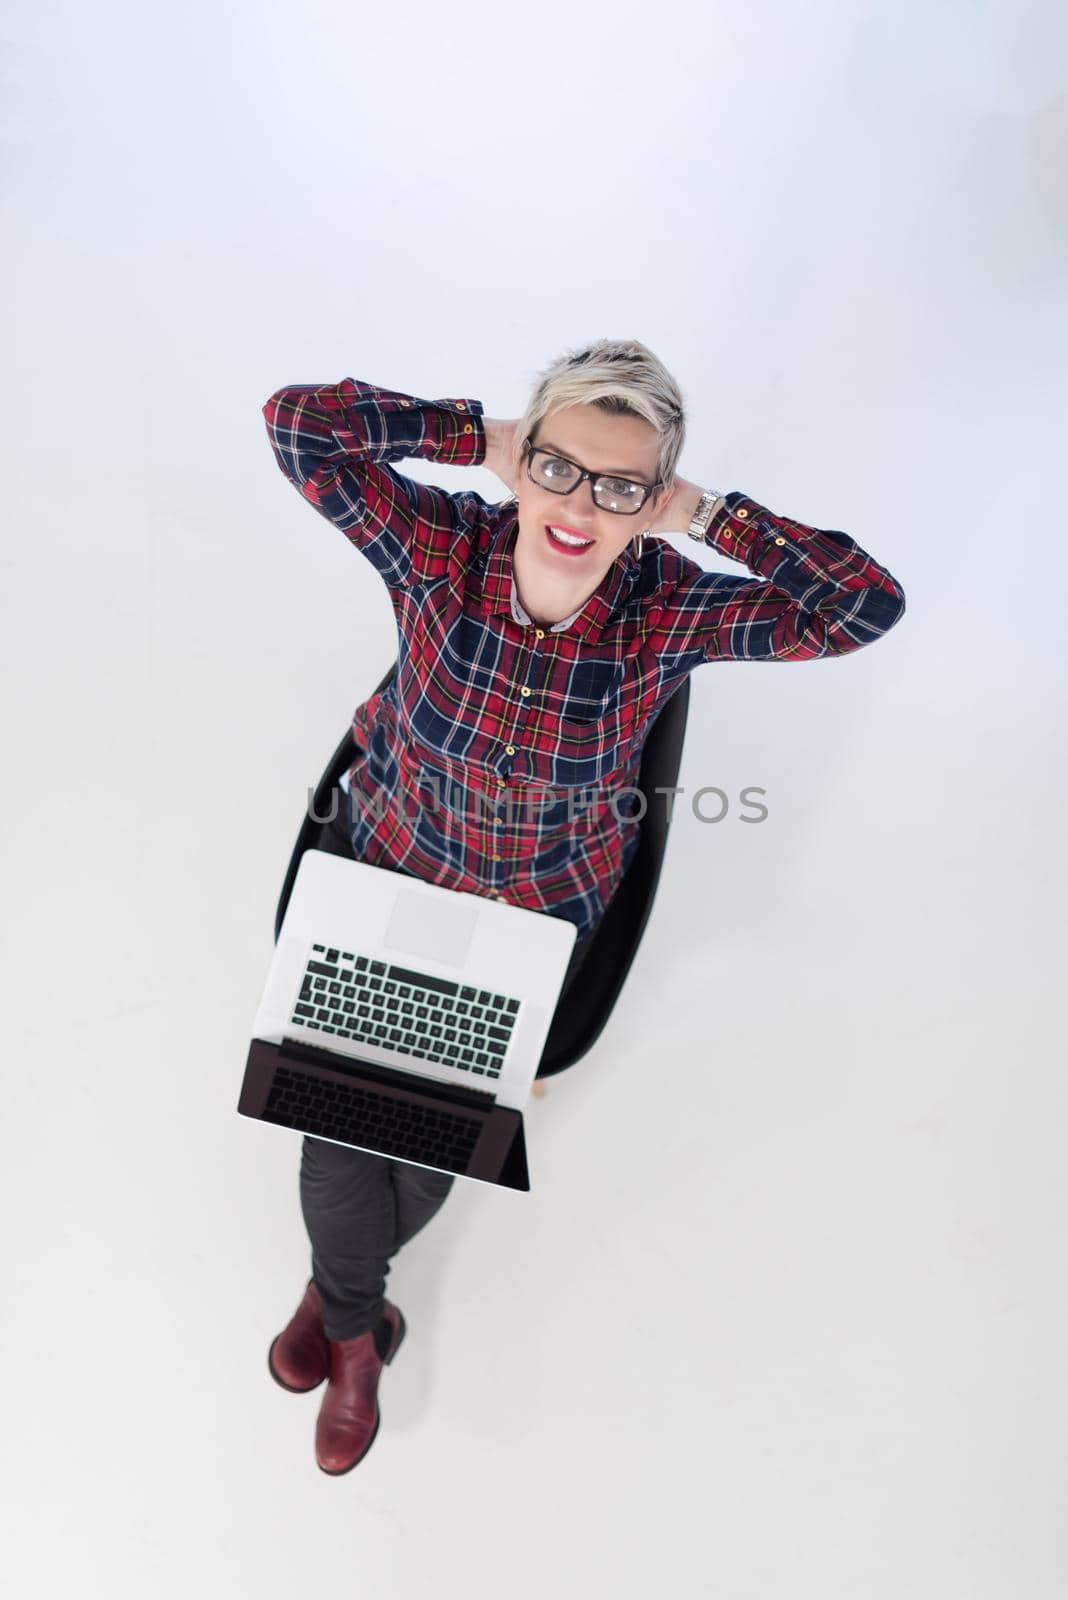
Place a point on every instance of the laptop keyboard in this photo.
(413, 1013)
(355, 1115)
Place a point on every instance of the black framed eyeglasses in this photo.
(555, 472)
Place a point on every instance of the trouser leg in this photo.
(359, 1209)
(419, 1193)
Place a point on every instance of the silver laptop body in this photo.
(405, 1019)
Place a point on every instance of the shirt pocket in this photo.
(589, 691)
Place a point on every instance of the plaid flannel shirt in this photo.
(503, 758)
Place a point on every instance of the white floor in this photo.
(782, 1300)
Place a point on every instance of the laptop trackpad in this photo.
(424, 925)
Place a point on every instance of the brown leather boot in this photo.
(349, 1416)
(299, 1359)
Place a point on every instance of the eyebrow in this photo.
(611, 472)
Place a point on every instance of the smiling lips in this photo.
(570, 543)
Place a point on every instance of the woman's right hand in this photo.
(499, 436)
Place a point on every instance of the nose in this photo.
(585, 488)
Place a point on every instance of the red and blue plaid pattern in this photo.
(502, 758)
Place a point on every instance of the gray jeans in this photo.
(360, 1208)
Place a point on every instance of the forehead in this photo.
(603, 443)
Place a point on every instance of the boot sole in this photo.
(291, 1388)
(339, 1472)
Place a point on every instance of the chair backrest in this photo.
(583, 1011)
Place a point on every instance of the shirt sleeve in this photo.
(334, 443)
(817, 593)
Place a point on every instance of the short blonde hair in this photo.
(621, 377)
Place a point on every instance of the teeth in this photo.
(568, 538)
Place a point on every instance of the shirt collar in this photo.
(591, 617)
(522, 616)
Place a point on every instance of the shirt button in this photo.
(524, 690)
(501, 782)
(539, 633)
(406, 402)
(741, 512)
(469, 427)
(509, 749)
(780, 540)
(496, 858)
(461, 405)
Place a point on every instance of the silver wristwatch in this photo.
(707, 507)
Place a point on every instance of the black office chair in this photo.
(582, 1013)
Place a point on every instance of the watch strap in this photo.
(709, 503)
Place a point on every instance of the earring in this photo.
(637, 544)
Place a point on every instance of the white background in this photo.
(784, 1313)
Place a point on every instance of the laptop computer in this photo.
(405, 1018)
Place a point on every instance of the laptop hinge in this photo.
(357, 1066)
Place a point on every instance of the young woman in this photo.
(539, 638)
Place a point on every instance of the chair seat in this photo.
(582, 1013)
